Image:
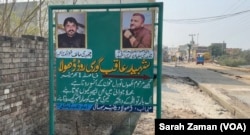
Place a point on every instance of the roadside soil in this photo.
(181, 98)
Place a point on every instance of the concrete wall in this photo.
(23, 84)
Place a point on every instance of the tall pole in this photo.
(159, 61)
(197, 38)
(192, 40)
(189, 48)
(190, 45)
(51, 74)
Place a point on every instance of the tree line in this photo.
(234, 59)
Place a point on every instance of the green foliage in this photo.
(232, 62)
(243, 58)
(246, 56)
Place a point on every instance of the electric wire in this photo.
(205, 19)
(235, 6)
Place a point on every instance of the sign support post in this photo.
(159, 61)
(51, 74)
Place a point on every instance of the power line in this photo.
(205, 19)
(235, 6)
(244, 17)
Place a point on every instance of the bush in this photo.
(232, 62)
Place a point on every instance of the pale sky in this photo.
(234, 30)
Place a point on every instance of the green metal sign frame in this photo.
(107, 7)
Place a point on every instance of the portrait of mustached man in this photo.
(137, 36)
(71, 38)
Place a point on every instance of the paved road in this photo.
(229, 86)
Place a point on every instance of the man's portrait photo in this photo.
(71, 30)
(137, 29)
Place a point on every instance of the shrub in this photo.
(232, 62)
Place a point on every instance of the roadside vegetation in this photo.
(234, 60)
(229, 57)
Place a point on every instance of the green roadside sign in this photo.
(104, 75)
(104, 60)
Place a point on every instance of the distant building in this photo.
(184, 50)
(173, 50)
(173, 53)
(194, 50)
(165, 55)
(223, 46)
(199, 50)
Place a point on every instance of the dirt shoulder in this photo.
(181, 99)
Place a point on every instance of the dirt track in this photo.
(181, 98)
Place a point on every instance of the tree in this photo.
(16, 22)
(215, 50)
(29, 20)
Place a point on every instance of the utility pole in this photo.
(223, 46)
(190, 45)
(189, 48)
(197, 38)
(192, 41)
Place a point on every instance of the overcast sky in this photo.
(233, 30)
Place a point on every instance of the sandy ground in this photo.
(181, 100)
